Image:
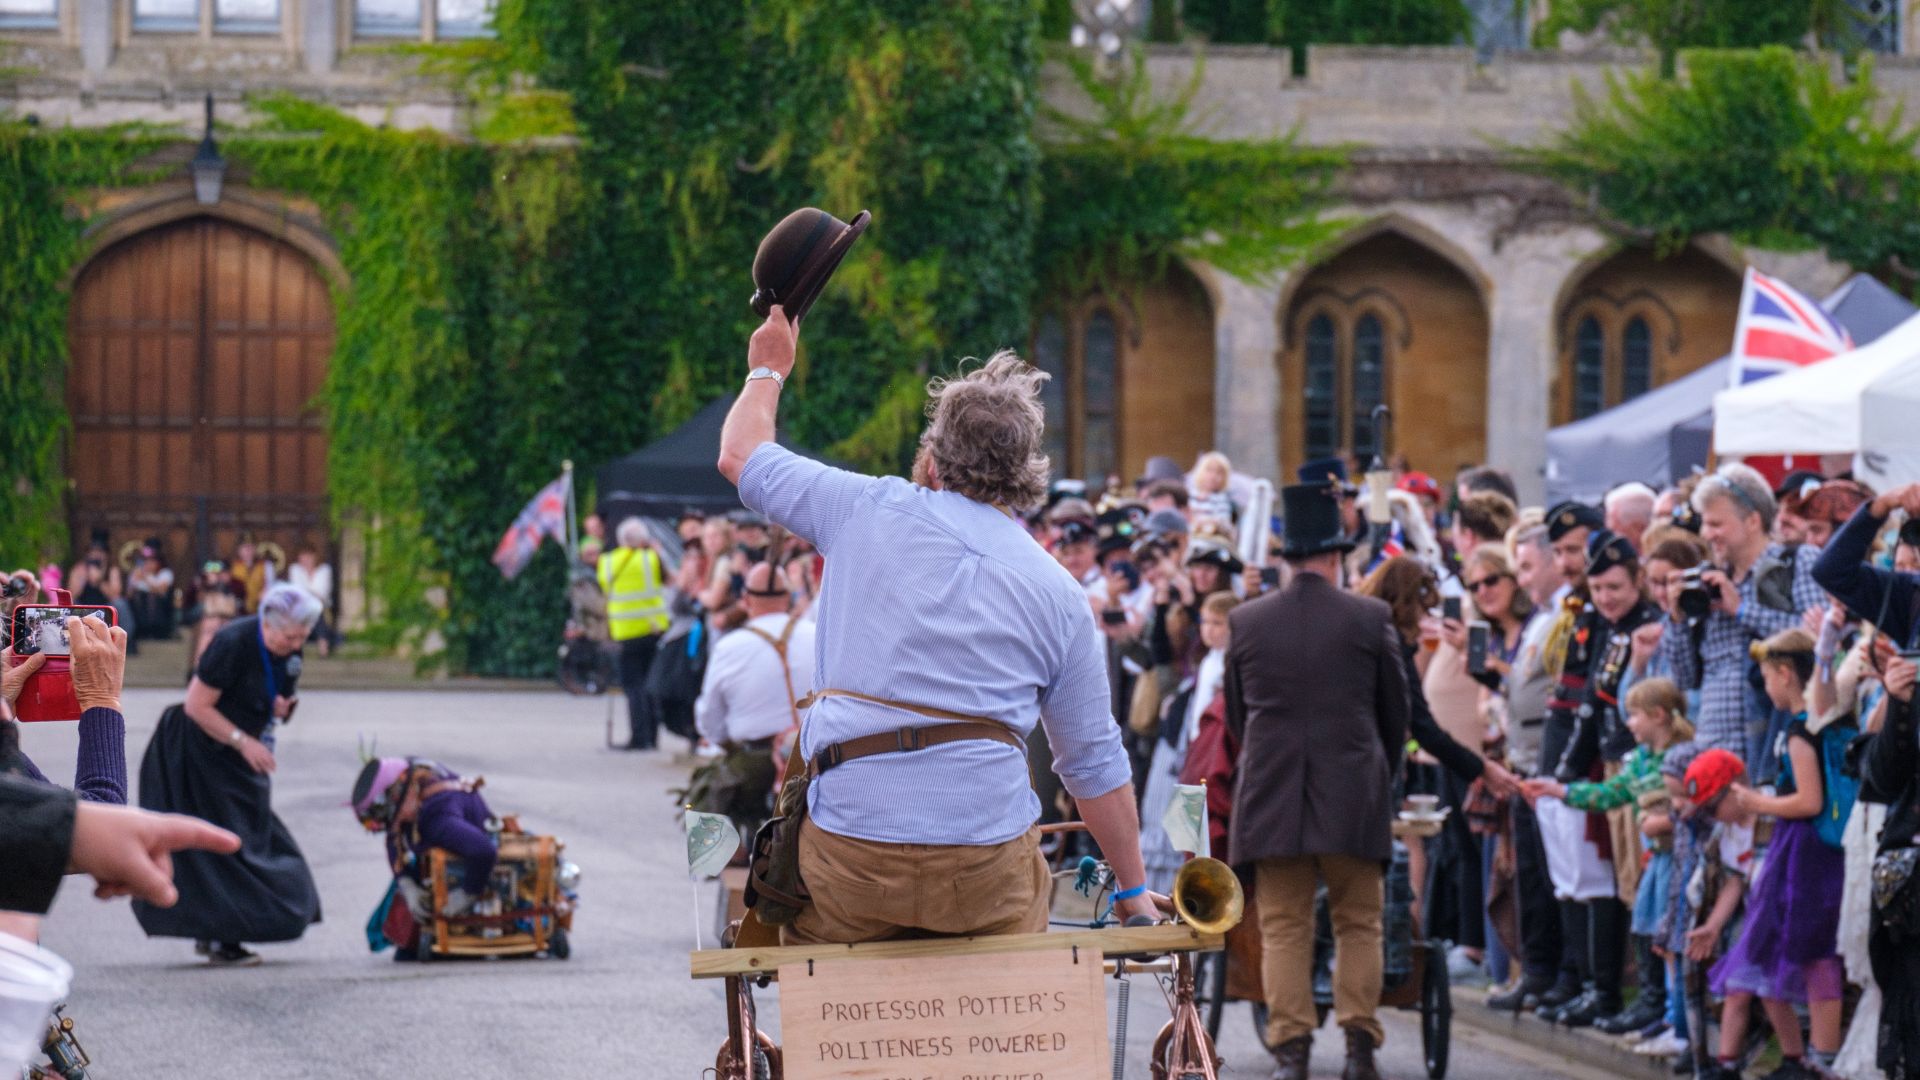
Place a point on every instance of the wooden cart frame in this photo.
(547, 911)
(750, 1054)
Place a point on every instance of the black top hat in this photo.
(1321, 470)
(798, 256)
(1312, 525)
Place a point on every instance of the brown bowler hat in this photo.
(798, 256)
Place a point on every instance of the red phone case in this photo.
(48, 693)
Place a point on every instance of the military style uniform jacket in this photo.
(1574, 649)
(1599, 724)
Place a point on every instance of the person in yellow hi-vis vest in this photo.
(631, 577)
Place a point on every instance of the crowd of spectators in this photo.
(1675, 733)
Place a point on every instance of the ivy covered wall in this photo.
(571, 280)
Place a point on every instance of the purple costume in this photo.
(456, 822)
(1787, 948)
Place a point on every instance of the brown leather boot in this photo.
(1359, 1057)
(1291, 1058)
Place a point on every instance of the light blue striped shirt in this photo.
(933, 599)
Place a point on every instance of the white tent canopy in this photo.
(1824, 407)
(1889, 454)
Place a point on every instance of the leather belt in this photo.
(907, 739)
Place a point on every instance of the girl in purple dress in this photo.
(1787, 953)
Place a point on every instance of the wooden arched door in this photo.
(197, 350)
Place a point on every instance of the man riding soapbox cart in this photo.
(465, 883)
(1207, 902)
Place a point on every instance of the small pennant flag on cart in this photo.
(711, 842)
(544, 516)
(1186, 820)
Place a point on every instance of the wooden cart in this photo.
(751, 1054)
(526, 911)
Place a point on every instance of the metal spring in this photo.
(1120, 1030)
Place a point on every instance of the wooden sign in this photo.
(997, 1016)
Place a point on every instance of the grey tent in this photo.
(1867, 308)
(1661, 436)
(1631, 441)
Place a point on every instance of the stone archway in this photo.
(198, 346)
(1633, 321)
(1388, 319)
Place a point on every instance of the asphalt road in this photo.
(325, 1007)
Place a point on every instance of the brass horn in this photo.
(1207, 896)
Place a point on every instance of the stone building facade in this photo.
(1480, 303)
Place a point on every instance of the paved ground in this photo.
(622, 1006)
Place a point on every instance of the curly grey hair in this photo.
(985, 429)
(290, 607)
(1748, 490)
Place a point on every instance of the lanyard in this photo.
(266, 665)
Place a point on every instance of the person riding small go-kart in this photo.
(464, 881)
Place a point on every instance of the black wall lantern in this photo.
(209, 169)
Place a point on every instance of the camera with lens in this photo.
(1695, 597)
(1910, 532)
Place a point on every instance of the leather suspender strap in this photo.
(786, 669)
(927, 711)
(901, 740)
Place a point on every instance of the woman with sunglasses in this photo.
(1501, 603)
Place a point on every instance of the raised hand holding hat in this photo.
(796, 259)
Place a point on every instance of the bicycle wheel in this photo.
(1210, 990)
(1436, 1013)
(1260, 1024)
(577, 669)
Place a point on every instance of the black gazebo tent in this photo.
(676, 472)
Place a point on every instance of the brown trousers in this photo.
(1354, 898)
(866, 890)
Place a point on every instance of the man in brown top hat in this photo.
(1316, 689)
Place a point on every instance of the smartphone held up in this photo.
(42, 629)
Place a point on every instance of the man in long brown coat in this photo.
(1316, 690)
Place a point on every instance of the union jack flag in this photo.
(1391, 547)
(545, 516)
(1780, 330)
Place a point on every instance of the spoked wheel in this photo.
(1210, 990)
(580, 670)
(1260, 1024)
(766, 1061)
(1436, 1013)
(1163, 1049)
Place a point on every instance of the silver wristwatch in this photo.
(767, 373)
(235, 738)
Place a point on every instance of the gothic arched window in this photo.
(1322, 394)
(1610, 360)
(1636, 359)
(1589, 369)
(1368, 380)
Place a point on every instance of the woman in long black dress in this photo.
(213, 758)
